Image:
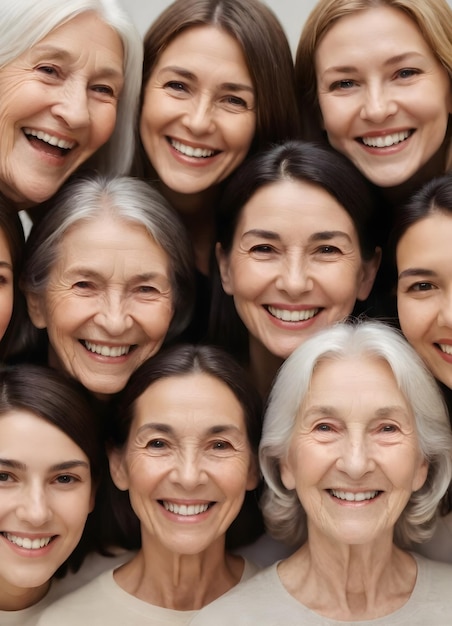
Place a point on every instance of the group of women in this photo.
(212, 227)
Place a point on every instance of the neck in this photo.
(435, 166)
(197, 212)
(357, 582)
(164, 578)
(18, 598)
(263, 366)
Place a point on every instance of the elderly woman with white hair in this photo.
(356, 453)
(70, 76)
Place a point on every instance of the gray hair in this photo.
(284, 515)
(23, 23)
(86, 198)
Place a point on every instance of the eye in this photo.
(48, 70)
(323, 428)
(156, 444)
(262, 248)
(421, 286)
(389, 428)
(345, 83)
(328, 250)
(221, 445)
(176, 86)
(148, 289)
(5, 477)
(407, 72)
(234, 103)
(82, 284)
(104, 89)
(66, 479)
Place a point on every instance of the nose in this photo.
(71, 105)
(113, 315)
(199, 116)
(294, 276)
(445, 310)
(33, 507)
(189, 472)
(355, 458)
(378, 104)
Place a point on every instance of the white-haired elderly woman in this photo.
(356, 453)
(108, 273)
(70, 74)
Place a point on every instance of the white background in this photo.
(291, 14)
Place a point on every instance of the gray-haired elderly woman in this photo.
(356, 453)
(108, 272)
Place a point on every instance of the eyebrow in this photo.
(74, 272)
(62, 55)
(167, 429)
(416, 271)
(65, 465)
(6, 264)
(398, 58)
(320, 236)
(184, 73)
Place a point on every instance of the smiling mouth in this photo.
(286, 315)
(349, 496)
(386, 141)
(186, 509)
(52, 142)
(197, 153)
(27, 542)
(103, 350)
(444, 347)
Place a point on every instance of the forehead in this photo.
(25, 434)
(289, 201)
(198, 45)
(195, 398)
(346, 34)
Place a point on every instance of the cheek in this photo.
(103, 120)
(6, 309)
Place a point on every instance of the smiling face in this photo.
(45, 498)
(295, 265)
(424, 293)
(58, 106)
(387, 110)
(6, 284)
(354, 456)
(108, 302)
(198, 117)
(187, 463)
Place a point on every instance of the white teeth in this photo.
(354, 497)
(50, 139)
(106, 350)
(26, 542)
(184, 509)
(445, 347)
(292, 316)
(386, 140)
(191, 152)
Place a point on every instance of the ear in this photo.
(36, 310)
(421, 475)
(223, 264)
(370, 269)
(118, 471)
(287, 476)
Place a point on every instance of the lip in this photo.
(27, 551)
(68, 142)
(346, 497)
(188, 511)
(51, 155)
(300, 316)
(195, 160)
(400, 139)
(444, 355)
(112, 352)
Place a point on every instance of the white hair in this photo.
(23, 23)
(283, 513)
